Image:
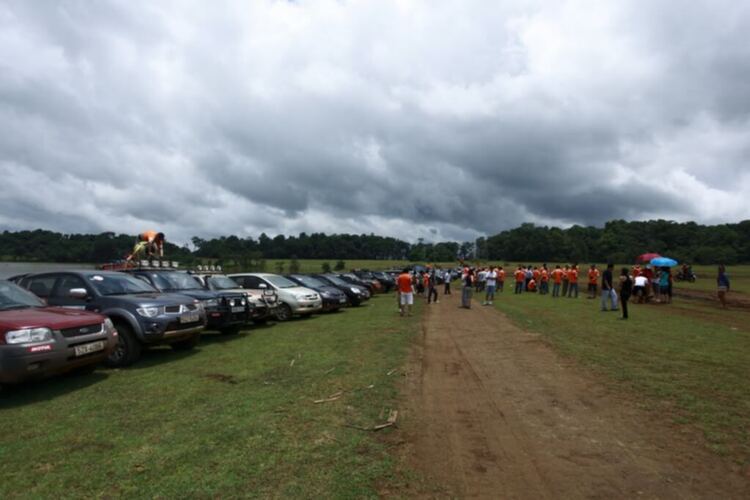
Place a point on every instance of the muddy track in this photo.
(492, 412)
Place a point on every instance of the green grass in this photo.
(233, 418)
(691, 361)
(316, 265)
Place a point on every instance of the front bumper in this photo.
(307, 306)
(168, 328)
(226, 317)
(334, 303)
(17, 363)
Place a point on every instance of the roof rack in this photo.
(126, 265)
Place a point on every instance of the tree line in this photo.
(617, 241)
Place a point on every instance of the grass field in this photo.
(689, 359)
(233, 418)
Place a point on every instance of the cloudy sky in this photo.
(436, 119)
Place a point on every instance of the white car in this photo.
(293, 299)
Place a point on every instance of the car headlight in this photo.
(242, 302)
(109, 327)
(355, 290)
(148, 312)
(211, 303)
(29, 335)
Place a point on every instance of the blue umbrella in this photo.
(663, 262)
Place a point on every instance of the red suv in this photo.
(38, 341)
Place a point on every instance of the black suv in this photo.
(226, 312)
(142, 316)
(354, 293)
(263, 303)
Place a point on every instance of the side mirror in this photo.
(78, 293)
(262, 286)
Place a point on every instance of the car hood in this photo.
(154, 299)
(296, 290)
(52, 317)
(197, 294)
(330, 289)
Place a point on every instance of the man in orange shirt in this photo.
(573, 282)
(544, 283)
(520, 279)
(565, 280)
(405, 292)
(557, 275)
(150, 241)
(500, 279)
(593, 280)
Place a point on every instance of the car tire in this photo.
(187, 344)
(284, 312)
(230, 330)
(128, 348)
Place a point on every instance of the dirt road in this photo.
(493, 412)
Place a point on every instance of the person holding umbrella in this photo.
(665, 277)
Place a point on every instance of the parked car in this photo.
(388, 282)
(356, 280)
(142, 316)
(38, 341)
(354, 293)
(226, 311)
(263, 302)
(333, 298)
(293, 299)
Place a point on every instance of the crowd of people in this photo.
(643, 283)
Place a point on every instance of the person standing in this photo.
(593, 279)
(544, 280)
(491, 282)
(665, 284)
(556, 281)
(608, 291)
(405, 292)
(432, 293)
(467, 289)
(626, 288)
(500, 279)
(573, 280)
(520, 275)
(447, 279)
(565, 280)
(722, 285)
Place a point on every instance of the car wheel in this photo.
(128, 348)
(186, 345)
(283, 312)
(230, 330)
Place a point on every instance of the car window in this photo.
(280, 281)
(42, 286)
(14, 297)
(66, 283)
(118, 284)
(251, 282)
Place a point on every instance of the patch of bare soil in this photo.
(734, 299)
(491, 411)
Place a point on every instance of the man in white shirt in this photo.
(639, 290)
(490, 278)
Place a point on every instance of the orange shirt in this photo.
(531, 286)
(636, 271)
(593, 276)
(520, 276)
(149, 236)
(565, 274)
(404, 283)
(557, 276)
(545, 275)
(573, 275)
(501, 275)
(536, 274)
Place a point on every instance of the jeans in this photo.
(544, 288)
(624, 301)
(500, 286)
(556, 290)
(612, 296)
(466, 296)
(573, 290)
(447, 290)
(432, 293)
(519, 287)
(490, 293)
(565, 288)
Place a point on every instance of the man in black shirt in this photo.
(608, 290)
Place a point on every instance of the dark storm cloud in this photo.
(412, 119)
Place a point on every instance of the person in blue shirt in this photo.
(665, 284)
(722, 282)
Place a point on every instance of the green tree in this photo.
(326, 267)
(279, 265)
(294, 266)
(340, 265)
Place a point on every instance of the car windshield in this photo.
(336, 280)
(14, 297)
(309, 281)
(280, 281)
(222, 283)
(118, 284)
(174, 281)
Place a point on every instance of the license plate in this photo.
(81, 350)
(342, 301)
(190, 317)
(238, 309)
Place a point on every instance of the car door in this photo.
(41, 285)
(61, 293)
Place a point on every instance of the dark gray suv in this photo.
(142, 316)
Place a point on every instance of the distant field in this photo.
(689, 360)
(316, 265)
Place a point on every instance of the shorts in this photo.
(407, 299)
(639, 290)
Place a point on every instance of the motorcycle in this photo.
(688, 276)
